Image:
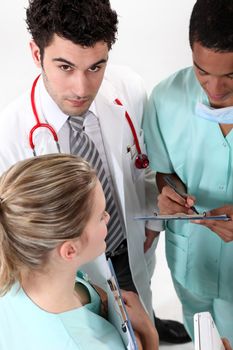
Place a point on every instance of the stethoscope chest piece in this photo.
(141, 161)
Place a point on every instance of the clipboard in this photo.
(206, 336)
(117, 313)
(100, 272)
(181, 216)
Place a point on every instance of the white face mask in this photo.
(217, 115)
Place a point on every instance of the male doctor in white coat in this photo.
(70, 45)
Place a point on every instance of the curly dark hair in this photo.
(211, 24)
(84, 22)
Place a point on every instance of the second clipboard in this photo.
(222, 217)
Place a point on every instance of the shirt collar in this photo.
(49, 109)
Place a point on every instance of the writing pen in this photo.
(169, 181)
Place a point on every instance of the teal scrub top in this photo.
(24, 326)
(178, 141)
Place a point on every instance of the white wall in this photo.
(153, 39)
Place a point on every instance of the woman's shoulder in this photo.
(86, 290)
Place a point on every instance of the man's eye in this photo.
(94, 69)
(65, 68)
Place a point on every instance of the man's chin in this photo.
(75, 107)
(74, 112)
(221, 101)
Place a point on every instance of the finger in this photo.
(219, 226)
(226, 236)
(191, 211)
(226, 344)
(167, 206)
(190, 201)
(227, 209)
(225, 233)
(169, 202)
(213, 224)
(173, 196)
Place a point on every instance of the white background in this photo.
(152, 39)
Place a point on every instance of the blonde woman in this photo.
(52, 221)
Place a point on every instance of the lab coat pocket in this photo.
(177, 252)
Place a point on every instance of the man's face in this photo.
(72, 74)
(214, 71)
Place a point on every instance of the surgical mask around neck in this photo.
(217, 115)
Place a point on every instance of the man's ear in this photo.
(70, 250)
(35, 54)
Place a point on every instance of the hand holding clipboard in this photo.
(101, 273)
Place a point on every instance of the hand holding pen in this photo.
(169, 181)
(172, 200)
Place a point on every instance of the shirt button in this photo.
(224, 144)
(221, 187)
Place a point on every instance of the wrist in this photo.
(149, 338)
(146, 328)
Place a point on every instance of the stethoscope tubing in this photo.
(129, 120)
(141, 161)
(38, 122)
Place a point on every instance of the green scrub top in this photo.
(178, 141)
(24, 326)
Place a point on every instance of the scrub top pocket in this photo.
(177, 253)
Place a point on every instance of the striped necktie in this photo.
(83, 146)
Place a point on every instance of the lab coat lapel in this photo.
(111, 118)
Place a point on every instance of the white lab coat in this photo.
(119, 82)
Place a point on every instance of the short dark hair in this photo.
(84, 22)
(211, 25)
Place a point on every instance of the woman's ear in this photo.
(35, 54)
(70, 250)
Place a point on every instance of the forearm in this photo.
(151, 192)
(145, 330)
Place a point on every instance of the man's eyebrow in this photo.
(63, 60)
(104, 60)
(196, 65)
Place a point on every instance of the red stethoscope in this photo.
(141, 160)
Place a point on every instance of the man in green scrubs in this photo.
(188, 131)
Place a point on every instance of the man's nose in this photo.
(80, 85)
(215, 85)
